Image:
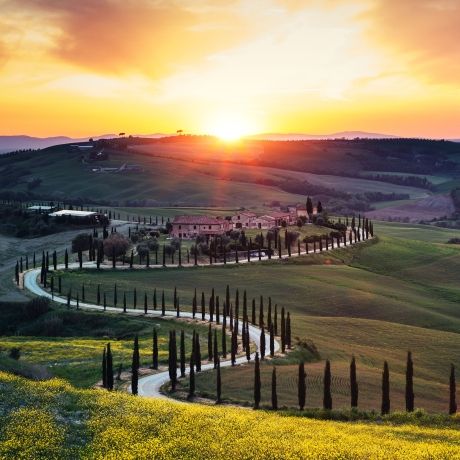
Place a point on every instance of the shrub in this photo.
(115, 243)
(80, 242)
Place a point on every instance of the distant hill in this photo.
(23, 142)
(339, 135)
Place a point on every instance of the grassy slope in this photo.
(172, 181)
(38, 421)
(376, 302)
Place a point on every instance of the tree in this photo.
(409, 383)
(66, 259)
(224, 340)
(353, 383)
(115, 245)
(452, 391)
(272, 341)
(234, 347)
(301, 386)
(191, 388)
(155, 350)
(257, 384)
(218, 383)
(288, 331)
(283, 331)
(109, 364)
(274, 393)
(135, 367)
(81, 243)
(182, 353)
(262, 343)
(197, 358)
(163, 306)
(309, 206)
(104, 369)
(215, 351)
(172, 361)
(327, 397)
(385, 390)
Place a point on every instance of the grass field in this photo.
(169, 181)
(39, 420)
(376, 301)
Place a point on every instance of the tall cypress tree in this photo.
(145, 303)
(197, 358)
(203, 307)
(269, 314)
(234, 347)
(452, 391)
(288, 331)
(262, 343)
(224, 341)
(210, 348)
(135, 298)
(194, 305)
(66, 259)
(261, 312)
(155, 299)
(409, 383)
(218, 382)
(257, 384)
(98, 295)
(191, 388)
(155, 350)
(163, 306)
(135, 367)
(109, 364)
(274, 391)
(327, 397)
(227, 300)
(124, 302)
(301, 386)
(215, 351)
(217, 310)
(182, 353)
(385, 389)
(272, 341)
(248, 344)
(275, 320)
(353, 383)
(173, 360)
(104, 369)
(283, 331)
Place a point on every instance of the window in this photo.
(180, 226)
(238, 217)
(209, 227)
(194, 227)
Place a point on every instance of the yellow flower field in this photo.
(54, 420)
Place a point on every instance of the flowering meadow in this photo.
(54, 420)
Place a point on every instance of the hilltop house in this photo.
(244, 219)
(192, 226)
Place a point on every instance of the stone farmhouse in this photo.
(188, 227)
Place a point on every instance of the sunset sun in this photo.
(231, 128)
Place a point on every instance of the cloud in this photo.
(425, 33)
(127, 36)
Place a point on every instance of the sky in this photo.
(231, 67)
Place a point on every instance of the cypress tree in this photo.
(105, 302)
(182, 353)
(269, 314)
(155, 299)
(224, 341)
(16, 273)
(197, 358)
(191, 388)
(164, 256)
(261, 312)
(272, 341)
(194, 302)
(233, 348)
(253, 312)
(409, 383)
(155, 350)
(218, 382)
(227, 300)
(104, 369)
(211, 306)
(283, 331)
(98, 294)
(217, 310)
(175, 298)
(131, 259)
(34, 261)
(385, 390)
(163, 306)
(124, 302)
(257, 383)
(262, 343)
(178, 307)
(78, 301)
(172, 361)
(231, 318)
(275, 320)
(215, 351)
(327, 397)
(115, 295)
(82, 292)
(274, 393)
(248, 344)
(452, 391)
(353, 383)
(109, 365)
(54, 260)
(203, 307)
(288, 331)
(52, 287)
(210, 348)
(279, 247)
(27, 262)
(145, 303)
(301, 386)
(135, 367)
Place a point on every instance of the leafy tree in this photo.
(115, 245)
(81, 243)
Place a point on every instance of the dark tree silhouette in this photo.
(385, 389)
(353, 383)
(135, 367)
(301, 386)
(274, 391)
(409, 383)
(452, 391)
(257, 384)
(327, 397)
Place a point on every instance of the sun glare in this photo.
(231, 128)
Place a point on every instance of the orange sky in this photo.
(143, 66)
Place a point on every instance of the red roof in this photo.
(197, 220)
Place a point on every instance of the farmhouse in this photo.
(81, 217)
(245, 219)
(192, 226)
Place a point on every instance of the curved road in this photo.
(150, 385)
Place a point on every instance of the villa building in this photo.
(244, 219)
(189, 227)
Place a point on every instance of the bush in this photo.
(116, 243)
(80, 242)
(15, 353)
(36, 307)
